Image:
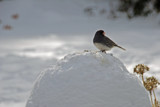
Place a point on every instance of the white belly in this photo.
(102, 47)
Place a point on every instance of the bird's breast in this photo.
(100, 46)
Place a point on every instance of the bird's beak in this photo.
(104, 33)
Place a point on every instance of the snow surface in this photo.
(88, 79)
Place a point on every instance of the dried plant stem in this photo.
(142, 78)
(150, 83)
(155, 100)
(154, 94)
(150, 92)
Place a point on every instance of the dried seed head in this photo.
(15, 16)
(7, 27)
(151, 83)
(141, 69)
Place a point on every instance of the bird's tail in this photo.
(121, 47)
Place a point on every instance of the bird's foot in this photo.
(103, 51)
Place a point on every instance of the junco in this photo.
(103, 43)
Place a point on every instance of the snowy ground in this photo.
(48, 30)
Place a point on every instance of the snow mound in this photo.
(88, 79)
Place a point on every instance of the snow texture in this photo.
(88, 79)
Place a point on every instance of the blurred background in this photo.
(34, 34)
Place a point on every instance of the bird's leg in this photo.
(103, 51)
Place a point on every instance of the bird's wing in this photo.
(109, 42)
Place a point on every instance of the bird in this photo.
(103, 43)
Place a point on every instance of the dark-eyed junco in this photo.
(103, 43)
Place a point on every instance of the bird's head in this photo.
(100, 33)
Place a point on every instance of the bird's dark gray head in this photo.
(100, 33)
(99, 36)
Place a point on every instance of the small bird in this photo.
(103, 43)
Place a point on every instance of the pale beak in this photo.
(104, 33)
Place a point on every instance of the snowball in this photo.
(88, 79)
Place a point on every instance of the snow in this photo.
(88, 79)
(49, 30)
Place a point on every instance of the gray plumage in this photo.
(104, 43)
